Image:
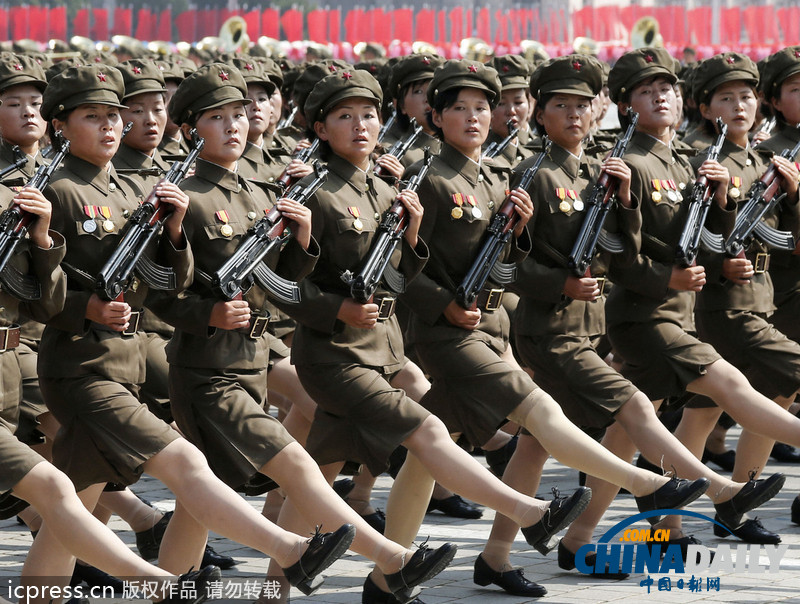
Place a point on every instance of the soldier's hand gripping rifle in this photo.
(14, 224)
(694, 231)
(401, 147)
(246, 267)
(495, 149)
(762, 198)
(601, 200)
(143, 226)
(486, 263)
(390, 231)
(286, 180)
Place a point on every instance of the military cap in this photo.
(170, 71)
(777, 68)
(141, 76)
(412, 68)
(636, 66)
(313, 73)
(721, 68)
(211, 86)
(272, 70)
(372, 65)
(252, 72)
(99, 56)
(82, 84)
(572, 74)
(21, 70)
(514, 71)
(464, 74)
(336, 87)
(62, 65)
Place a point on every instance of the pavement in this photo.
(734, 578)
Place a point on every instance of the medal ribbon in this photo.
(736, 181)
(90, 211)
(656, 184)
(458, 199)
(105, 211)
(354, 212)
(222, 216)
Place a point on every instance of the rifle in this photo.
(401, 147)
(494, 149)
(245, 267)
(694, 230)
(285, 180)
(14, 224)
(142, 227)
(287, 121)
(387, 126)
(390, 231)
(486, 263)
(762, 198)
(767, 126)
(601, 200)
(20, 159)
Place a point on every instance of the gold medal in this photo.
(564, 206)
(456, 213)
(226, 230)
(358, 225)
(108, 226)
(734, 192)
(476, 213)
(90, 226)
(577, 205)
(656, 196)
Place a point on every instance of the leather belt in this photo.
(601, 283)
(761, 263)
(490, 299)
(258, 325)
(133, 325)
(386, 306)
(9, 337)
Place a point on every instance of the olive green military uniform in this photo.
(649, 324)
(218, 378)
(89, 374)
(17, 459)
(732, 317)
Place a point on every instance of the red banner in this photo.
(80, 26)
(425, 30)
(317, 26)
(381, 26)
(57, 24)
(19, 22)
(99, 24)
(186, 25)
(145, 27)
(165, 25)
(699, 25)
(467, 26)
(123, 22)
(457, 24)
(38, 23)
(253, 20)
(501, 33)
(789, 19)
(761, 25)
(292, 23)
(730, 25)
(270, 23)
(335, 25)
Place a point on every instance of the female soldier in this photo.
(92, 356)
(649, 313)
(731, 310)
(218, 356)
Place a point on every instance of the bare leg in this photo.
(131, 509)
(752, 452)
(694, 428)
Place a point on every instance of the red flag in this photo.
(4, 23)
(317, 25)
(790, 24)
(730, 26)
(253, 20)
(484, 24)
(80, 25)
(19, 22)
(123, 22)
(383, 28)
(581, 19)
(57, 23)
(467, 26)
(403, 21)
(144, 29)
(700, 25)
(186, 23)
(441, 26)
(501, 33)
(99, 24)
(352, 25)
(292, 23)
(165, 26)
(335, 25)
(270, 23)
(425, 27)
(457, 25)
(38, 23)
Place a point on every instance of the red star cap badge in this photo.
(331, 68)
(731, 60)
(224, 75)
(18, 66)
(649, 58)
(98, 60)
(576, 65)
(137, 69)
(505, 68)
(101, 76)
(426, 61)
(346, 75)
(473, 68)
(249, 66)
(797, 54)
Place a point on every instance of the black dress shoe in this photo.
(423, 566)
(677, 493)
(499, 458)
(750, 531)
(682, 542)
(558, 515)
(725, 460)
(455, 507)
(785, 453)
(372, 594)
(343, 487)
(213, 558)
(376, 520)
(148, 541)
(94, 577)
(511, 581)
(194, 586)
(796, 510)
(752, 494)
(323, 550)
(566, 561)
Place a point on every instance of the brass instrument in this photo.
(645, 34)
(585, 46)
(534, 51)
(423, 48)
(475, 49)
(233, 35)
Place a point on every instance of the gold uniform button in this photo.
(682, 186)
(271, 179)
(251, 215)
(490, 205)
(377, 216)
(580, 172)
(126, 213)
(480, 177)
(112, 187)
(238, 188)
(749, 162)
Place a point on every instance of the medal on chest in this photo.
(108, 224)
(457, 212)
(356, 213)
(89, 226)
(569, 200)
(736, 187)
(225, 229)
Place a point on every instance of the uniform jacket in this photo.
(259, 163)
(128, 160)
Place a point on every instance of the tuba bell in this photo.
(585, 46)
(645, 34)
(233, 34)
(533, 51)
(475, 49)
(422, 48)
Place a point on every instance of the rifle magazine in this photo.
(24, 287)
(283, 289)
(712, 241)
(610, 242)
(155, 275)
(503, 273)
(394, 279)
(779, 240)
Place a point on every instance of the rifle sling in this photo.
(551, 252)
(82, 278)
(657, 249)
